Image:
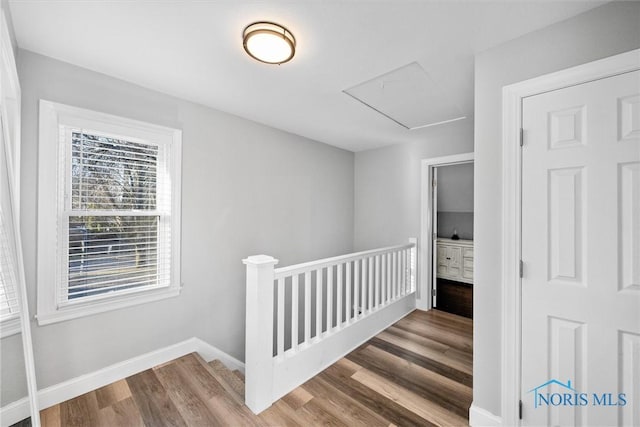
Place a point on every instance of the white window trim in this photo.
(52, 116)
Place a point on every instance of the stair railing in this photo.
(302, 318)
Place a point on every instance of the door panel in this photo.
(581, 249)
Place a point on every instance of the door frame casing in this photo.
(425, 253)
(512, 97)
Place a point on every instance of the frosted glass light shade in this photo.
(269, 43)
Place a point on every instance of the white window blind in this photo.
(9, 304)
(9, 308)
(108, 212)
(118, 234)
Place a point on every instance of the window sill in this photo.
(10, 327)
(117, 302)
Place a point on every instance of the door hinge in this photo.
(521, 137)
(435, 236)
(433, 183)
(521, 268)
(520, 409)
(433, 292)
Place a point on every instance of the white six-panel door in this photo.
(581, 252)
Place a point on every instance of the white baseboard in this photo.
(479, 417)
(209, 353)
(19, 410)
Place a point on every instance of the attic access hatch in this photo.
(408, 96)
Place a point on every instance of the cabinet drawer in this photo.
(467, 264)
(468, 253)
(467, 274)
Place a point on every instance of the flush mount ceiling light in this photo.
(269, 43)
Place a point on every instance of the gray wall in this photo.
(601, 32)
(387, 184)
(247, 189)
(460, 223)
(455, 188)
(455, 200)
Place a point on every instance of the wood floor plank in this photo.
(441, 390)
(220, 378)
(424, 341)
(424, 408)
(316, 414)
(281, 414)
(425, 328)
(152, 400)
(80, 412)
(236, 384)
(437, 356)
(50, 417)
(341, 379)
(342, 405)
(181, 391)
(123, 413)
(198, 374)
(112, 393)
(232, 414)
(423, 361)
(297, 398)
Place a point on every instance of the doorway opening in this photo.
(453, 246)
(447, 234)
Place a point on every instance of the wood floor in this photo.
(455, 297)
(417, 372)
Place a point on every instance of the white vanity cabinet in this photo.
(455, 260)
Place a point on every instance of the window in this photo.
(9, 184)
(109, 206)
(9, 307)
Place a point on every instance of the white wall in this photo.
(387, 184)
(601, 32)
(247, 189)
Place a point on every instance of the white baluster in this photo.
(365, 285)
(307, 307)
(389, 294)
(376, 299)
(414, 259)
(394, 275)
(295, 311)
(356, 289)
(349, 286)
(259, 332)
(370, 290)
(339, 298)
(405, 268)
(318, 303)
(383, 279)
(280, 336)
(329, 298)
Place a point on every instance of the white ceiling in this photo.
(193, 50)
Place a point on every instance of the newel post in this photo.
(259, 332)
(413, 270)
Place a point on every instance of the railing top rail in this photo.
(327, 262)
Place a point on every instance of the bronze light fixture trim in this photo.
(269, 42)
